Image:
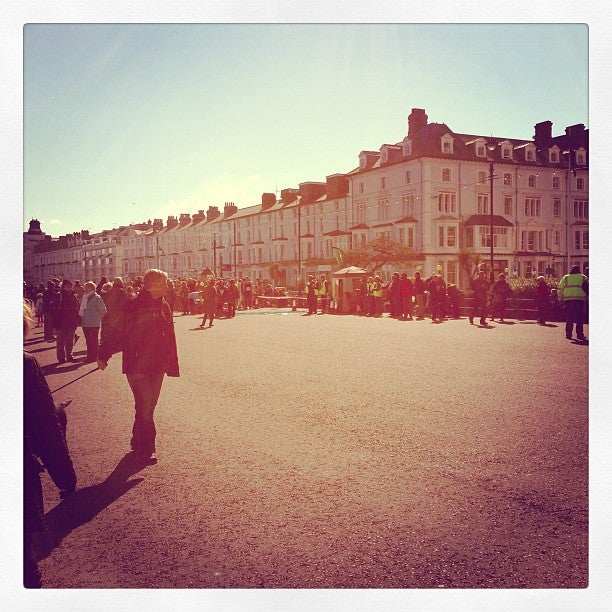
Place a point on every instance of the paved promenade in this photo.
(331, 452)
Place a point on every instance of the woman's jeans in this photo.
(146, 388)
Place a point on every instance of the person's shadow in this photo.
(80, 507)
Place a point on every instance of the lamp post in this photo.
(491, 148)
(299, 237)
(215, 255)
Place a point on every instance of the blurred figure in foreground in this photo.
(44, 448)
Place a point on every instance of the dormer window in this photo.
(506, 152)
(407, 147)
(553, 155)
(481, 150)
(530, 153)
(580, 157)
(446, 144)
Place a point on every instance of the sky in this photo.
(129, 122)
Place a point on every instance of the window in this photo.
(383, 182)
(556, 182)
(382, 207)
(480, 150)
(532, 207)
(580, 158)
(406, 236)
(581, 209)
(447, 144)
(532, 180)
(585, 241)
(556, 239)
(554, 156)
(577, 239)
(500, 236)
(506, 152)
(446, 202)
(361, 187)
(507, 179)
(508, 205)
(556, 207)
(408, 176)
(361, 212)
(580, 184)
(482, 177)
(407, 204)
(447, 236)
(446, 147)
(446, 174)
(483, 204)
(529, 156)
(469, 236)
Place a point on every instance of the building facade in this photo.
(436, 191)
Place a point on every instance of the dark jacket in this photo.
(44, 444)
(66, 310)
(145, 333)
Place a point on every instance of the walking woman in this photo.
(92, 310)
(148, 344)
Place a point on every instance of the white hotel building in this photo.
(431, 191)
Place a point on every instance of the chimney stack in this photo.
(416, 121)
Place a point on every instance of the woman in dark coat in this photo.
(542, 299)
(44, 447)
(148, 344)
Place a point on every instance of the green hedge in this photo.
(524, 288)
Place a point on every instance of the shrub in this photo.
(524, 288)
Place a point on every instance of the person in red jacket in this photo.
(148, 353)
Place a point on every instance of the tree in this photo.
(469, 261)
(375, 254)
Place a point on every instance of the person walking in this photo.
(49, 296)
(148, 353)
(44, 448)
(501, 292)
(542, 299)
(480, 285)
(92, 310)
(209, 302)
(324, 293)
(419, 296)
(231, 295)
(66, 317)
(311, 295)
(406, 290)
(572, 291)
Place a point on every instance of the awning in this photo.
(498, 220)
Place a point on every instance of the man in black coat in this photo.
(66, 317)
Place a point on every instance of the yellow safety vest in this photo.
(570, 287)
(323, 289)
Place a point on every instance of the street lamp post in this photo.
(491, 148)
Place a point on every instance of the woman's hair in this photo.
(89, 285)
(117, 281)
(151, 276)
(27, 318)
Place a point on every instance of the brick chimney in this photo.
(158, 225)
(212, 213)
(416, 121)
(171, 222)
(311, 191)
(229, 209)
(267, 200)
(185, 219)
(289, 194)
(199, 216)
(543, 134)
(337, 186)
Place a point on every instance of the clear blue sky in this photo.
(125, 123)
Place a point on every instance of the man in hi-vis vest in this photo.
(573, 290)
(324, 293)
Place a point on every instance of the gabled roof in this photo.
(498, 220)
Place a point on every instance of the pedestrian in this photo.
(377, 295)
(501, 292)
(66, 317)
(454, 296)
(209, 302)
(480, 285)
(324, 293)
(572, 291)
(311, 295)
(38, 309)
(406, 290)
(542, 299)
(419, 295)
(49, 296)
(44, 448)
(231, 295)
(395, 299)
(92, 310)
(148, 353)
(437, 297)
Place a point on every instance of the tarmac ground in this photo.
(330, 451)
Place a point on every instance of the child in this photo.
(38, 308)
